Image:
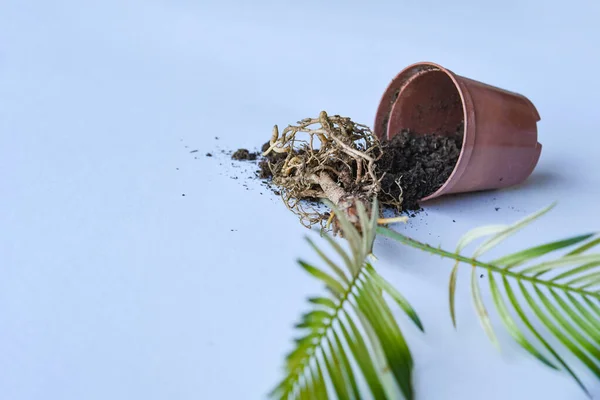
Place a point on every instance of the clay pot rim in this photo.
(415, 70)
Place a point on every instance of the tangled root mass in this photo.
(335, 158)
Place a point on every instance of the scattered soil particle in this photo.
(244, 154)
(208, 155)
(183, 194)
(194, 151)
(216, 138)
(417, 165)
(497, 208)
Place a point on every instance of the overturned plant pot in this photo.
(499, 147)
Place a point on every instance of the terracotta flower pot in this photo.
(500, 146)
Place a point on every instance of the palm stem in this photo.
(472, 261)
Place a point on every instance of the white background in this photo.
(115, 286)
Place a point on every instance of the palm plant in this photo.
(561, 293)
(350, 333)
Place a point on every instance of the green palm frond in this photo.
(562, 293)
(351, 344)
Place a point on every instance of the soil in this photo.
(244, 154)
(420, 163)
(272, 162)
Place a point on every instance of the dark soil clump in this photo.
(272, 162)
(417, 165)
(244, 154)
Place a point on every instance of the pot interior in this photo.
(429, 102)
